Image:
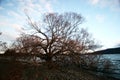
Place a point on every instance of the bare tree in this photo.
(56, 34)
(25, 45)
(61, 34)
(3, 45)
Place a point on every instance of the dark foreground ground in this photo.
(21, 71)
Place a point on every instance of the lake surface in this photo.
(112, 56)
(115, 58)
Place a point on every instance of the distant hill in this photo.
(108, 51)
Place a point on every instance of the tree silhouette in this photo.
(57, 34)
(3, 45)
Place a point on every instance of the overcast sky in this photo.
(102, 17)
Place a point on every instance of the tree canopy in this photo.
(55, 34)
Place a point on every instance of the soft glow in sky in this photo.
(102, 17)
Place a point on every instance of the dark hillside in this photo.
(108, 51)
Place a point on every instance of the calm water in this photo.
(115, 58)
(112, 56)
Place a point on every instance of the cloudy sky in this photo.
(102, 17)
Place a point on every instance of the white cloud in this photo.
(17, 27)
(36, 5)
(10, 31)
(17, 18)
(33, 8)
(1, 8)
(117, 44)
(9, 4)
(47, 5)
(100, 18)
(94, 2)
(4, 21)
(49, 8)
(112, 4)
(13, 26)
(16, 15)
(8, 36)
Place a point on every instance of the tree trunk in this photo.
(49, 61)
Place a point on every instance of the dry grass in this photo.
(19, 71)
